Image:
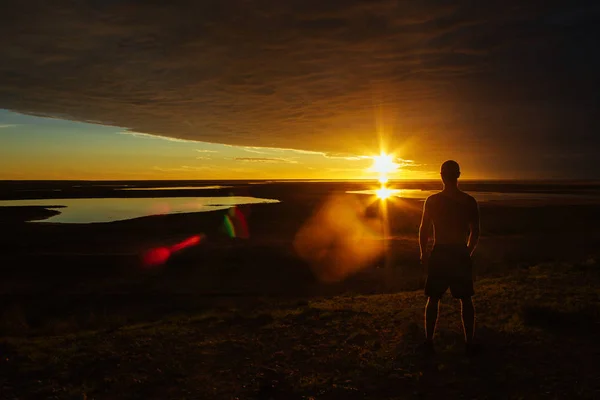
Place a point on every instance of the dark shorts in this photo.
(450, 266)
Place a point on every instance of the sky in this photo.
(301, 89)
(55, 149)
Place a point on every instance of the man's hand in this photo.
(424, 229)
(474, 228)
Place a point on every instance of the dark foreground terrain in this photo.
(539, 327)
(82, 317)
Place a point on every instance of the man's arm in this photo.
(424, 230)
(474, 227)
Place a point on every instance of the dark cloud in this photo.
(481, 79)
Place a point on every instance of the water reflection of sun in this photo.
(384, 193)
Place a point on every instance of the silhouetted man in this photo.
(455, 218)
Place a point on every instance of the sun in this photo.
(384, 164)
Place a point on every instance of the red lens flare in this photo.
(194, 240)
(159, 255)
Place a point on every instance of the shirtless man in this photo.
(455, 218)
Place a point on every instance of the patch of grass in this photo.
(349, 347)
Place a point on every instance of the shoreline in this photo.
(21, 190)
(40, 213)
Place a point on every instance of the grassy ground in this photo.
(80, 319)
(539, 328)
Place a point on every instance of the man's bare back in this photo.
(452, 213)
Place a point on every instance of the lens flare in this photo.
(157, 256)
(160, 255)
(229, 226)
(340, 239)
(186, 243)
(236, 224)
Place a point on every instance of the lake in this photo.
(117, 209)
(178, 188)
(86, 202)
(488, 196)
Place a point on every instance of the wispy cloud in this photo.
(256, 150)
(206, 151)
(346, 157)
(183, 168)
(7, 126)
(403, 163)
(266, 160)
(270, 150)
(346, 170)
(151, 136)
(304, 151)
(278, 150)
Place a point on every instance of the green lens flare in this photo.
(229, 227)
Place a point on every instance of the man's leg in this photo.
(468, 318)
(431, 315)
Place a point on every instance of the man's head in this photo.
(450, 172)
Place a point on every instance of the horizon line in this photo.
(308, 180)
